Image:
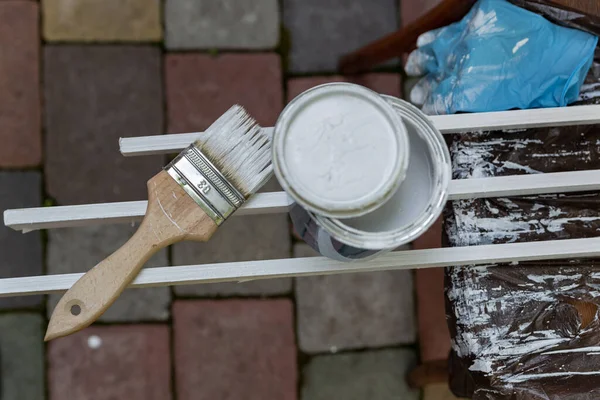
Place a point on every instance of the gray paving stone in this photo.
(93, 96)
(79, 249)
(260, 237)
(222, 24)
(21, 357)
(21, 253)
(352, 311)
(323, 30)
(373, 375)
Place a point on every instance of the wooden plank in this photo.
(518, 119)
(457, 123)
(265, 269)
(524, 185)
(161, 144)
(29, 219)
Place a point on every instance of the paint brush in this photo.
(188, 200)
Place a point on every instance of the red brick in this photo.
(201, 87)
(20, 132)
(382, 83)
(130, 362)
(411, 10)
(234, 349)
(434, 337)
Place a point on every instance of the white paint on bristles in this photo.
(239, 149)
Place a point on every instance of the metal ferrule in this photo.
(205, 184)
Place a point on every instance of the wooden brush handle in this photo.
(171, 216)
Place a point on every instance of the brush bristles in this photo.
(238, 147)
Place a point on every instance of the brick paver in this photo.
(21, 253)
(201, 87)
(102, 20)
(320, 31)
(384, 83)
(234, 349)
(21, 357)
(93, 96)
(353, 311)
(222, 24)
(79, 249)
(373, 375)
(20, 131)
(111, 362)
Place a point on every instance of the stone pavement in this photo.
(93, 71)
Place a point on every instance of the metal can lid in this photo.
(340, 150)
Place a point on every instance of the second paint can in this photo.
(408, 211)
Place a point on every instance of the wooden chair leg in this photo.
(591, 8)
(402, 41)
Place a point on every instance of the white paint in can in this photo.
(406, 214)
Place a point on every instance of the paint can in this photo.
(413, 206)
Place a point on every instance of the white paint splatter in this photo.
(526, 377)
(484, 23)
(481, 365)
(520, 44)
(166, 214)
(94, 342)
(579, 350)
(553, 278)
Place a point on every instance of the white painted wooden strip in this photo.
(518, 119)
(252, 270)
(29, 219)
(523, 185)
(160, 144)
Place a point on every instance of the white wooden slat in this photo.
(252, 270)
(277, 202)
(30, 219)
(524, 185)
(518, 119)
(161, 144)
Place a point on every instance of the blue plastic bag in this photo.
(499, 57)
